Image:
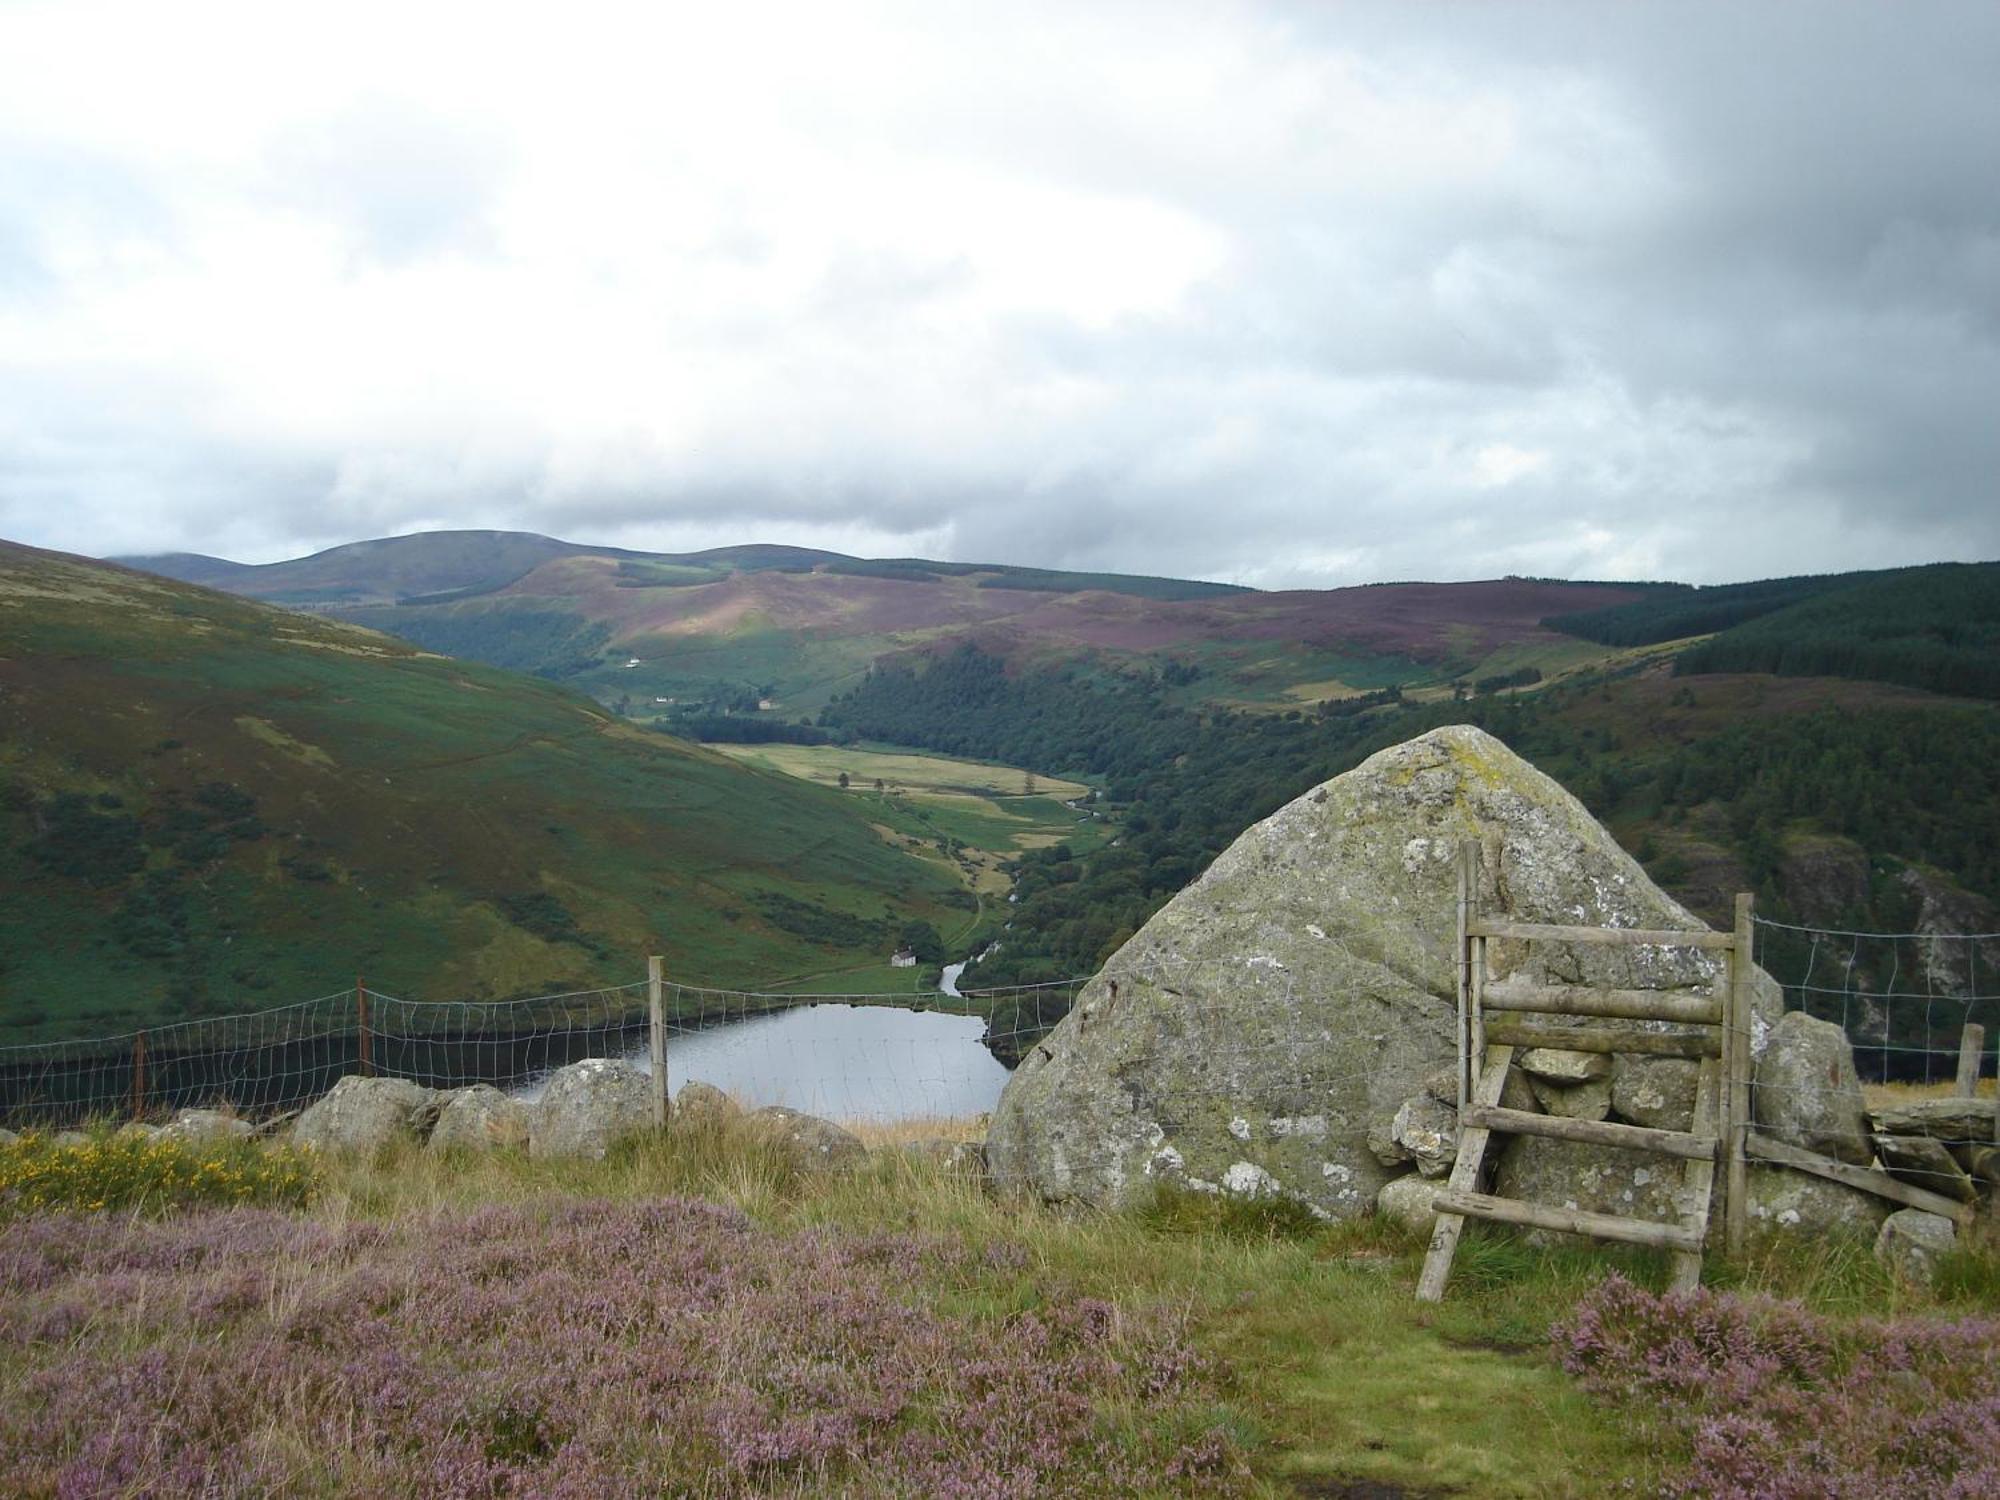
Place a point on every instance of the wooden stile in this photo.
(1490, 1043)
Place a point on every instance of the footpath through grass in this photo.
(694, 1316)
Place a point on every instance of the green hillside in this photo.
(211, 805)
(1936, 627)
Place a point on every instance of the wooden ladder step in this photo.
(1623, 937)
(1515, 1032)
(1584, 1000)
(1681, 1143)
(1567, 1220)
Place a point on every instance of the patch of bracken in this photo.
(1770, 1401)
(580, 1348)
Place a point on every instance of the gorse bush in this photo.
(134, 1172)
(1773, 1402)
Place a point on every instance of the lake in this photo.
(841, 1062)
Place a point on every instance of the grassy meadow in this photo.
(695, 1316)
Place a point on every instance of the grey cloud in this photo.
(1738, 273)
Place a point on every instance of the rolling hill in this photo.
(211, 805)
(730, 629)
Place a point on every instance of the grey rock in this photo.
(1515, 1093)
(204, 1125)
(8, 1137)
(1950, 1119)
(1925, 1163)
(1657, 1092)
(1788, 1202)
(1597, 1179)
(481, 1118)
(1407, 1200)
(138, 1130)
(1912, 1242)
(956, 1158)
(71, 1138)
(811, 1143)
(1561, 1066)
(588, 1107)
(1282, 1008)
(1575, 1101)
(702, 1105)
(1806, 1092)
(1427, 1130)
(366, 1115)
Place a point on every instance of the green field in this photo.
(928, 778)
(212, 806)
(971, 819)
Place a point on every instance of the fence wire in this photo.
(825, 1053)
(1905, 1001)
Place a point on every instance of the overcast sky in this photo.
(1286, 295)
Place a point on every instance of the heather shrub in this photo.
(136, 1173)
(1770, 1401)
(578, 1347)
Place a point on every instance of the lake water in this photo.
(842, 1062)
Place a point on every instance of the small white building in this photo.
(902, 958)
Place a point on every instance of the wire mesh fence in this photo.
(1904, 999)
(828, 1053)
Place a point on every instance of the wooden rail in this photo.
(1622, 937)
(1567, 1220)
(1763, 1148)
(1681, 1143)
(1518, 1033)
(1621, 1005)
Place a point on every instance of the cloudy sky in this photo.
(1287, 294)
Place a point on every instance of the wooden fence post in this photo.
(1736, 1078)
(139, 1075)
(1971, 1042)
(657, 1016)
(366, 1037)
(1467, 1063)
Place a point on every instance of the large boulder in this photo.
(1807, 1093)
(481, 1118)
(589, 1106)
(366, 1115)
(1292, 998)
